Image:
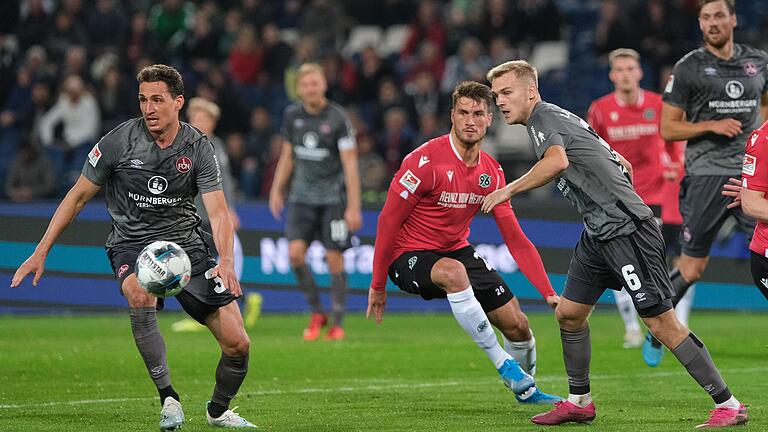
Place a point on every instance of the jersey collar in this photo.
(640, 99)
(456, 152)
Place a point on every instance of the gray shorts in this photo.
(636, 262)
(324, 222)
(704, 209)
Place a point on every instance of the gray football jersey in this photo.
(150, 191)
(318, 177)
(707, 87)
(594, 182)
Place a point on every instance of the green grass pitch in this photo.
(416, 372)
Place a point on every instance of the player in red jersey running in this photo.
(628, 120)
(421, 241)
(751, 195)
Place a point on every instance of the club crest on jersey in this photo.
(748, 167)
(94, 155)
(157, 185)
(734, 89)
(670, 84)
(184, 164)
(310, 140)
(121, 271)
(410, 181)
(649, 114)
(484, 181)
(412, 262)
(750, 69)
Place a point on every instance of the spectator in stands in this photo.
(233, 20)
(396, 140)
(246, 56)
(35, 23)
(428, 26)
(201, 44)
(69, 129)
(426, 96)
(371, 71)
(430, 127)
(277, 54)
(168, 21)
(661, 35)
(613, 30)
(8, 58)
(138, 42)
(326, 22)
(429, 59)
(256, 154)
(391, 96)
(75, 63)
(373, 169)
(498, 19)
(63, 35)
(275, 148)
(106, 25)
(30, 176)
(115, 99)
(470, 63)
(541, 20)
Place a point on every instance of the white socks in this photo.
(471, 317)
(524, 352)
(731, 403)
(627, 310)
(580, 400)
(683, 308)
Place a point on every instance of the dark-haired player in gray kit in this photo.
(621, 244)
(153, 167)
(713, 99)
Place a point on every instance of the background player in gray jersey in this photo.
(620, 246)
(319, 151)
(152, 168)
(714, 98)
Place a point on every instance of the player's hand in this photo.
(376, 302)
(553, 301)
(733, 190)
(34, 264)
(227, 275)
(496, 197)
(276, 204)
(354, 219)
(728, 127)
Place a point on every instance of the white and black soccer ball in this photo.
(163, 268)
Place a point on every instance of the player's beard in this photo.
(716, 42)
(469, 142)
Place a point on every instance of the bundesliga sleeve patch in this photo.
(94, 156)
(410, 181)
(748, 167)
(670, 84)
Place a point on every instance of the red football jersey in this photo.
(754, 174)
(446, 194)
(633, 131)
(430, 205)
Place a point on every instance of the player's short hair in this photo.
(472, 90)
(308, 68)
(208, 107)
(160, 72)
(521, 68)
(623, 52)
(730, 3)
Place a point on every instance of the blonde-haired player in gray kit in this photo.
(621, 245)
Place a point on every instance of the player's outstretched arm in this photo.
(223, 238)
(552, 163)
(70, 206)
(352, 214)
(280, 181)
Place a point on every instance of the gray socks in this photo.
(693, 355)
(307, 285)
(150, 343)
(577, 352)
(230, 374)
(338, 297)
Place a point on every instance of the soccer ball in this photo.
(163, 268)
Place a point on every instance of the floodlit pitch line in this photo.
(347, 389)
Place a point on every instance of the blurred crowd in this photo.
(68, 67)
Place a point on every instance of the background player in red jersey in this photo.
(421, 240)
(628, 119)
(754, 185)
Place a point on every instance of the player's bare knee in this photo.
(569, 320)
(517, 329)
(450, 275)
(237, 348)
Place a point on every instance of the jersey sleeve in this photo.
(208, 173)
(102, 158)
(754, 170)
(544, 131)
(346, 139)
(414, 178)
(595, 119)
(677, 89)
